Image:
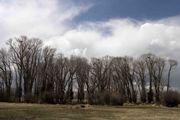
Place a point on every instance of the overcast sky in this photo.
(97, 27)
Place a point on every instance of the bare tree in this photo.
(18, 49)
(46, 75)
(30, 65)
(118, 81)
(41, 74)
(157, 75)
(71, 78)
(172, 64)
(100, 78)
(25, 55)
(6, 71)
(82, 74)
(2, 97)
(150, 63)
(62, 78)
(140, 73)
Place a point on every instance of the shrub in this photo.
(104, 98)
(117, 99)
(171, 99)
(48, 97)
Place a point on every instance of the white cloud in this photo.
(38, 18)
(50, 20)
(122, 37)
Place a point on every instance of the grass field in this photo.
(12, 111)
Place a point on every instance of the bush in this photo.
(171, 99)
(104, 98)
(48, 97)
(92, 97)
(117, 99)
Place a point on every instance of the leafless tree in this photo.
(172, 64)
(99, 78)
(6, 71)
(157, 75)
(82, 75)
(41, 74)
(71, 78)
(150, 63)
(46, 75)
(118, 81)
(62, 78)
(140, 73)
(30, 65)
(18, 49)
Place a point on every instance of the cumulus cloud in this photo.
(50, 20)
(37, 18)
(121, 37)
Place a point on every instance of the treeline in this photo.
(32, 72)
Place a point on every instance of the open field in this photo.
(12, 111)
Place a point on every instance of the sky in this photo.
(136, 9)
(95, 28)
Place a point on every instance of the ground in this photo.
(13, 111)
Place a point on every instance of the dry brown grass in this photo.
(12, 111)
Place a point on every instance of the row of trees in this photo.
(31, 72)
